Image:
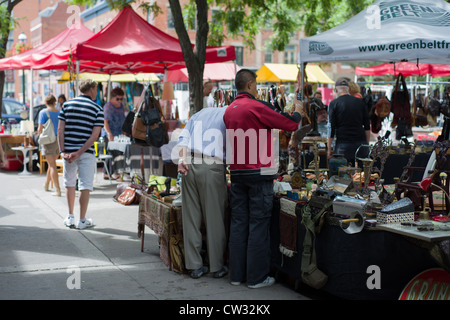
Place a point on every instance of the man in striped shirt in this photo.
(80, 124)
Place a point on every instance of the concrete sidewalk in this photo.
(42, 259)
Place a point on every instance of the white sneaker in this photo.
(86, 224)
(267, 282)
(69, 222)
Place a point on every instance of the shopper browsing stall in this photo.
(348, 121)
(114, 117)
(250, 121)
(204, 190)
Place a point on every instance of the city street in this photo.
(43, 259)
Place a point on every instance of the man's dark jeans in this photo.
(249, 244)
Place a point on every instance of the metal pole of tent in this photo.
(31, 116)
(78, 76)
(109, 88)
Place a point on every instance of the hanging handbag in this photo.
(48, 132)
(139, 129)
(419, 115)
(382, 107)
(156, 130)
(400, 105)
(127, 127)
(403, 129)
(434, 107)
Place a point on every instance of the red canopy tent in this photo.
(213, 71)
(440, 70)
(130, 44)
(406, 68)
(45, 53)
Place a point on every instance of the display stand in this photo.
(158, 215)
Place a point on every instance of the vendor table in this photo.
(158, 216)
(24, 151)
(345, 258)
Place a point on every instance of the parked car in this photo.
(13, 111)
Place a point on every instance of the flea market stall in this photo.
(33, 60)
(140, 47)
(127, 45)
(342, 229)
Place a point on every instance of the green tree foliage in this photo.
(246, 18)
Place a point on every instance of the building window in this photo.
(239, 55)
(289, 54)
(170, 23)
(268, 54)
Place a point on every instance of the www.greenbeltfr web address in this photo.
(406, 46)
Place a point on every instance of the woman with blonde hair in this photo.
(354, 89)
(51, 151)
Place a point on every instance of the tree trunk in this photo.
(194, 59)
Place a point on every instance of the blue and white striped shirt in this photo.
(81, 115)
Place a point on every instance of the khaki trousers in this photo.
(204, 197)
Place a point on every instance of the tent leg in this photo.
(31, 116)
(300, 89)
(78, 77)
(109, 88)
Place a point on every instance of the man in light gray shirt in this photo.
(202, 162)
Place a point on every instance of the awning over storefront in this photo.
(278, 72)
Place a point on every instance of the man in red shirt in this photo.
(250, 154)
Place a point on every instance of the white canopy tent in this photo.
(387, 31)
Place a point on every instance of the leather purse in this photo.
(400, 105)
(127, 126)
(128, 196)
